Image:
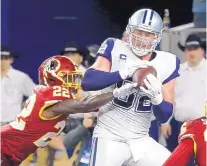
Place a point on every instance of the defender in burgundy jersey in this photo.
(192, 140)
(46, 110)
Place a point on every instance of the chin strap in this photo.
(138, 52)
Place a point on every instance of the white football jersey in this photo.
(129, 117)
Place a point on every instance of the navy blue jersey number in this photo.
(139, 102)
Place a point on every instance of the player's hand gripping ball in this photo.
(139, 75)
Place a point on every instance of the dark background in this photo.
(120, 11)
(38, 29)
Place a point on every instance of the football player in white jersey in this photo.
(121, 134)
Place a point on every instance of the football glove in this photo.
(153, 90)
(130, 67)
(125, 90)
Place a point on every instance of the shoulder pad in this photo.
(106, 48)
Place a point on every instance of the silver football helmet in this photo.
(144, 31)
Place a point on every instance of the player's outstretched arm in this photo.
(182, 154)
(84, 105)
(89, 103)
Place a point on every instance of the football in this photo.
(139, 75)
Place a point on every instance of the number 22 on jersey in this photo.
(60, 91)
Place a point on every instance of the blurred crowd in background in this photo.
(72, 147)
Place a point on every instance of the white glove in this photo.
(125, 90)
(153, 90)
(130, 67)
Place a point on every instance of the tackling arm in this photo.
(89, 103)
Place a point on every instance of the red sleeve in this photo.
(182, 154)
